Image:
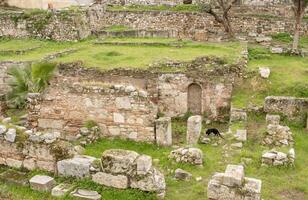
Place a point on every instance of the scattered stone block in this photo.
(187, 155)
(182, 175)
(194, 126)
(273, 119)
(277, 50)
(79, 166)
(144, 164)
(14, 177)
(241, 135)
(116, 181)
(42, 183)
(264, 72)
(237, 145)
(86, 194)
(233, 185)
(13, 163)
(234, 175)
(10, 135)
(163, 131)
(118, 161)
(3, 129)
(278, 135)
(276, 158)
(238, 115)
(205, 140)
(61, 190)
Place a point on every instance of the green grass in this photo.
(117, 28)
(114, 56)
(288, 78)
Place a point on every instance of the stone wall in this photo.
(43, 4)
(291, 107)
(73, 25)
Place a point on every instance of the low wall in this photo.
(291, 107)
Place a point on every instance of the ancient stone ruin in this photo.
(233, 185)
(276, 158)
(278, 135)
(192, 156)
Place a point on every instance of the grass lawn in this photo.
(111, 56)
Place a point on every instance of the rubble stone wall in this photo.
(193, 25)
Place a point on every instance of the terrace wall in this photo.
(199, 26)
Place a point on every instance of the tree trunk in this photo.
(297, 31)
(227, 26)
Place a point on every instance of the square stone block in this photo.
(234, 175)
(42, 183)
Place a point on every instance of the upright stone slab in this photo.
(194, 125)
(42, 183)
(163, 131)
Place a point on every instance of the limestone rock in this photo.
(272, 119)
(61, 190)
(13, 163)
(276, 158)
(144, 164)
(118, 161)
(264, 72)
(277, 50)
(278, 135)
(234, 175)
(163, 131)
(238, 115)
(86, 194)
(182, 174)
(10, 135)
(154, 181)
(79, 166)
(42, 183)
(116, 181)
(241, 135)
(187, 155)
(194, 126)
(7, 120)
(3, 129)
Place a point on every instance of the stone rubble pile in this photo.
(278, 135)
(193, 156)
(233, 185)
(117, 168)
(276, 158)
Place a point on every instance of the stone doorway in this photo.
(194, 99)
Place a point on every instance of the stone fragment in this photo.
(144, 164)
(205, 140)
(13, 163)
(61, 190)
(10, 135)
(237, 145)
(3, 129)
(263, 39)
(252, 189)
(277, 50)
(238, 115)
(272, 119)
(50, 137)
(119, 161)
(79, 166)
(194, 125)
(163, 131)
(264, 72)
(234, 175)
(187, 155)
(84, 131)
(7, 120)
(42, 183)
(154, 181)
(86, 194)
(241, 135)
(116, 181)
(182, 175)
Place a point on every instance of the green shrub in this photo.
(28, 79)
(90, 124)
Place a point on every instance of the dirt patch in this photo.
(293, 194)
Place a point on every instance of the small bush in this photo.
(90, 124)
